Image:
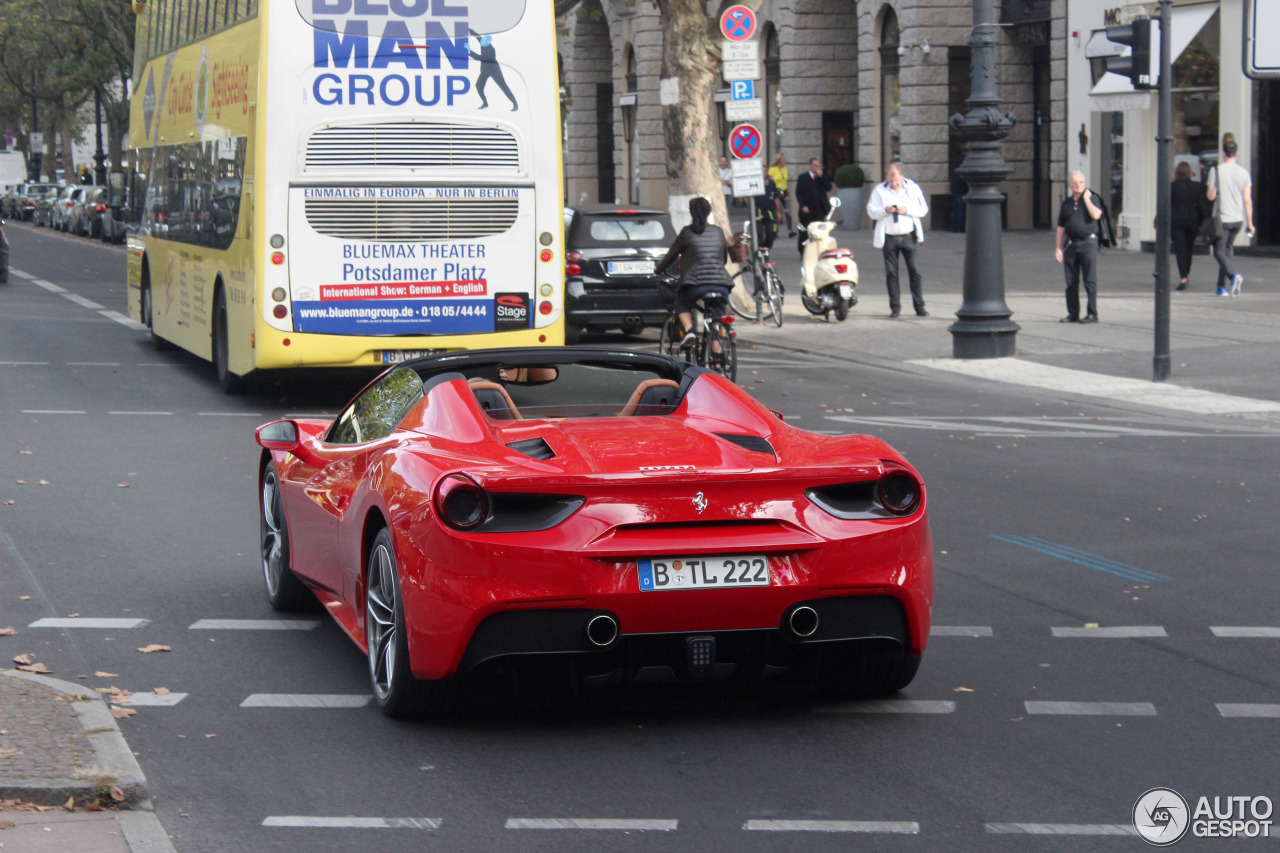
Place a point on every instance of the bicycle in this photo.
(758, 292)
(715, 327)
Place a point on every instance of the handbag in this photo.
(1211, 226)
(739, 251)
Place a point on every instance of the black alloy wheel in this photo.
(284, 591)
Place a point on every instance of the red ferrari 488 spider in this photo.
(615, 517)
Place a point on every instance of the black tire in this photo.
(742, 298)
(572, 333)
(157, 343)
(775, 298)
(842, 310)
(395, 689)
(669, 338)
(284, 591)
(865, 670)
(724, 362)
(229, 382)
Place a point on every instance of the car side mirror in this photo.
(278, 435)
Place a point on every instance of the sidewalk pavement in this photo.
(59, 740)
(1219, 346)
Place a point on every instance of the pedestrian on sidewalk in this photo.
(812, 202)
(782, 179)
(1188, 208)
(1232, 188)
(897, 205)
(1076, 248)
(726, 183)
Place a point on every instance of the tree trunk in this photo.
(690, 77)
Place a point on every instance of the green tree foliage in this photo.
(57, 53)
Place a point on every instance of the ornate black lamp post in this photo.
(984, 329)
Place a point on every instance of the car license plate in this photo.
(630, 267)
(703, 572)
(395, 356)
(846, 291)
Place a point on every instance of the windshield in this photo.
(628, 231)
(416, 22)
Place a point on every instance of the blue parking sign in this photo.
(743, 90)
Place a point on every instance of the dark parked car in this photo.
(84, 215)
(4, 256)
(609, 277)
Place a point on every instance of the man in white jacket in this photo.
(897, 205)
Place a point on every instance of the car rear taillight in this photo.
(898, 491)
(573, 261)
(842, 268)
(460, 503)
(99, 207)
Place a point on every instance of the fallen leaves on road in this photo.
(962, 690)
(43, 483)
(116, 793)
(8, 632)
(161, 691)
(154, 647)
(101, 674)
(115, 695)
(22, 659)
(70, 805)
(24, 598)
(122, 485)
(122, 713)
(24, 664)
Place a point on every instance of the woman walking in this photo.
(702, 251)
(1188, 208)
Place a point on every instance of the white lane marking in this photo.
(139, 413)
(52, 622)
(309, 822)
(20, 274)
(123, 320)
(1159, 394)
(48, 285)
(591, 823)
(54, 412)
(1227, 709)
(251, 625)
(1113, 633)
(1060, 829)
(229, 414)
(1093, 709)
(153, 700)
(24, 363)
(93, 364)
(1024, 427)
(902, 827)
(887, 706)
(158, 364)
(84, 302)
(959, 631)
(305, 700)
(1243, 631)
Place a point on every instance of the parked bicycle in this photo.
(715, 346)
(758, 291)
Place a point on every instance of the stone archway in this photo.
(589, 145)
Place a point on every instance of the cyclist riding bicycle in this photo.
(702, 251)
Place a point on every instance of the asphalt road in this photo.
(1049, 515)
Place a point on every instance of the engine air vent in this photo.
(433, 146)
(411, 219)
(748, 442)
(534, 447)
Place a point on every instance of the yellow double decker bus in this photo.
(341, 183)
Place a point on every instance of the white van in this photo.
(13, 171)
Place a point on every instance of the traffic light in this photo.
(1142, 66)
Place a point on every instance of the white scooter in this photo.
(830, 274)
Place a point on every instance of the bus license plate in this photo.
(395, 356)
(630, 267)
(660, 573)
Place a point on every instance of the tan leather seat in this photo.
(651, 397)
(494, 399)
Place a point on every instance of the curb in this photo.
(103, 735)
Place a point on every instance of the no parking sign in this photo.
(738, 23)
(745, 141)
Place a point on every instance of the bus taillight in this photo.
(277, 258)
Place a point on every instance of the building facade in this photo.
(870, 81)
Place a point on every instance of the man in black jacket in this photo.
(811, 197)
(1076, 248)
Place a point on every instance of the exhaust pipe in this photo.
(602, 630)
(633, 320)
(803, 621)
